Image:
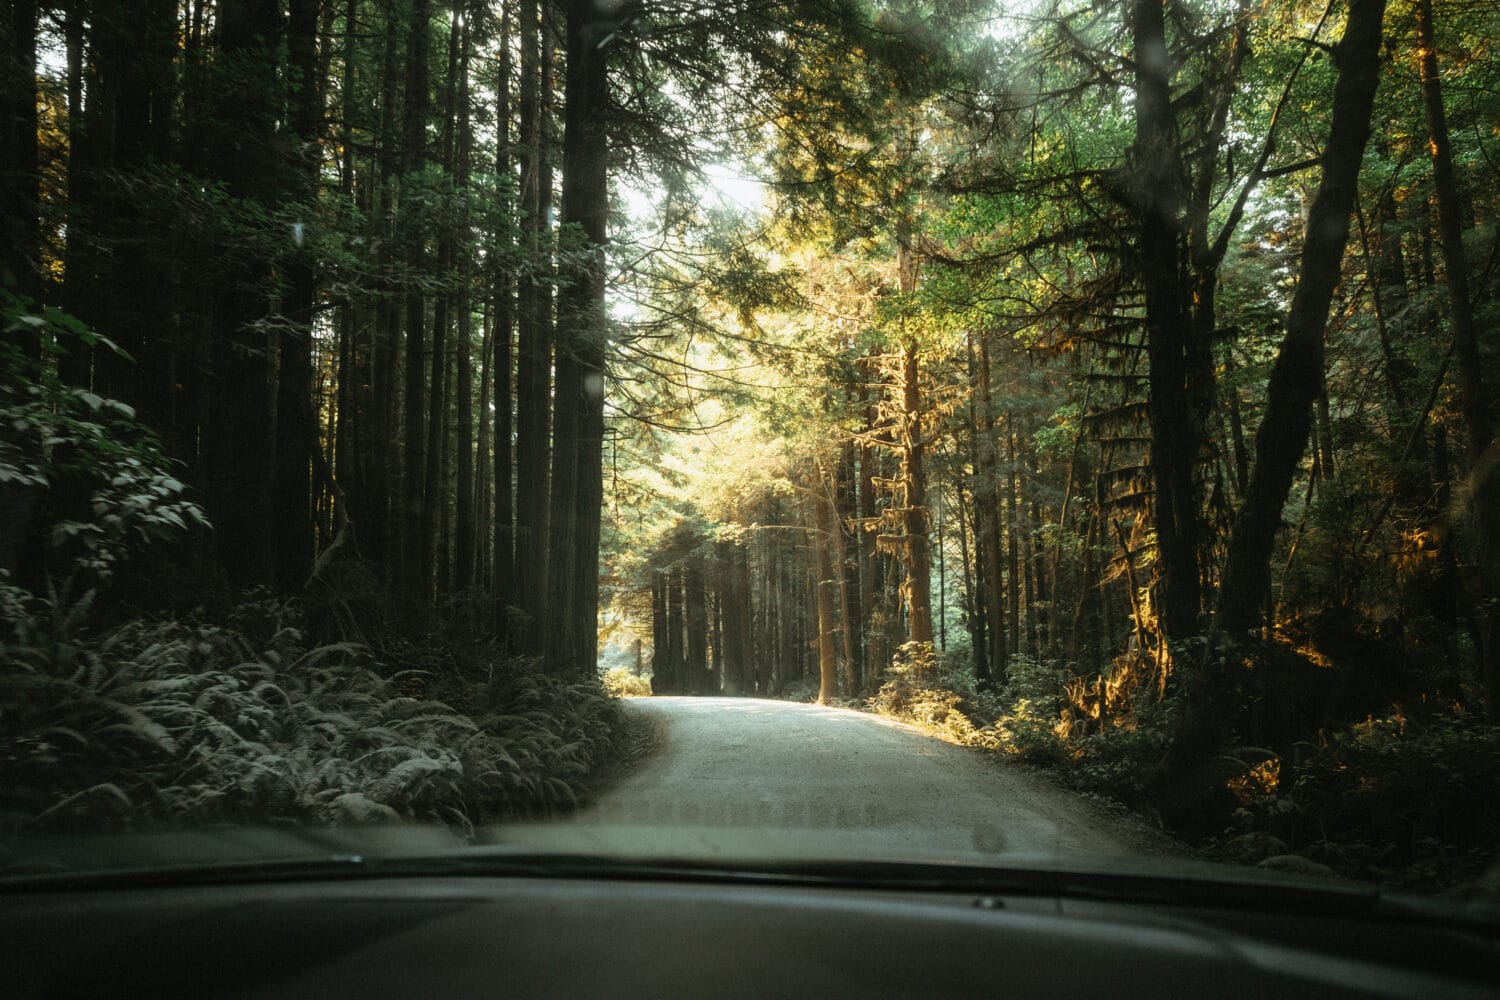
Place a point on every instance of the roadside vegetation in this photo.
(120, 710)
(1404, 794)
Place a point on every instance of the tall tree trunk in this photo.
(715, 631)
(660, 643)
(573, 602)
(350, 428)
(503, 289)
(463, 540)
(435, 503)
(296, 433)
(416, 565)
(1297, 377)
(435, 520)
(676, 655)
(917, 588)
(1012, 544)
(20, 176)
(696, 612)
(379, 443)
(871, 569)
(483, 493)
(738, 616)
(533, 347)
(1176, 438)
(849, 562)
(827, 622)
(1484, 482)
(241, 436)
(973, 598)
(987, 523)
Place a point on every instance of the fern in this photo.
(194, 722)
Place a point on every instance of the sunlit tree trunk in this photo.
(871, 568)
(987, 522)
(850, 607)
(916, 590)
(660, 643)
(696, 619)
(823, 543)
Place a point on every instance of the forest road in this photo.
(731, 775)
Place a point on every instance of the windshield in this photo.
(1044, 435)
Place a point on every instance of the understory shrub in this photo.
(1408, 796)
(1384, 798)
(177, 721)
(941, 694)
(622, 682)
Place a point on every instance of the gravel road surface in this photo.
(719, 773)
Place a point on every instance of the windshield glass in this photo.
(1045, 435)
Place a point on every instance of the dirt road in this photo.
(726, 772)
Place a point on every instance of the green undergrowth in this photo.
(185, 721)
(622, 682)
(116, 713)
(1406, 795)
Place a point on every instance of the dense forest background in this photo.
(1105, 383)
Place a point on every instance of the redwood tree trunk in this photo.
(578, 444)
(243, 416)
(19, 173)
(533, 347)
(416, 573)
(504, 292)
(463, 533)
(295, 433)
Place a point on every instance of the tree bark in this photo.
(1176, 437)
(20, 176)
(463, 531)
(533, 346)
(1297, 377)
(696, 611)
(416, 566)
(240, 491)
(578, 442)
(849, 563)
(823, 530)
(1484, 483)
(660, 642)
(987, 524)
(503, 289)
(295, 432)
